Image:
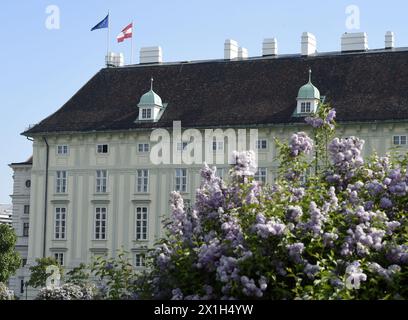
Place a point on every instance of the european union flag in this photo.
(103, 24)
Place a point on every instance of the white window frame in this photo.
(60, 223)
(26, 234)
(262, 144)
(181, 180)
(62, 149)
(143, 147)
(217, 146)
(100, 224)
(100, 148)
(142, 181)
(101, 181)
(140, 260)
(147, 113)
(60, 258)
(305, 107)
(142, 223)
(400, 140)
(261, 175)
(61, 182)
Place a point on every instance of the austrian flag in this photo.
(126, 33)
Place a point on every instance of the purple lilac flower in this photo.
(385, 203)
(398, 254)
(266, 228)
(177, 294)
(345, 155)
(331, 115)
(299, 144)
(294, 213)
(314, 122)
(311, 270)
(295, 251)
(209, 254)
(385, 273)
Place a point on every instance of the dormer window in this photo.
(146, 114)
(308, 98)
(305, 107)
(150, 106)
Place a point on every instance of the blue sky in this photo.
(41, 68)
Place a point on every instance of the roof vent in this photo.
(243, 53)
(389, 40)
(354, 42)
(308, 44)
(151, 55)
(114, 60)
(270, 47)
(230, 49)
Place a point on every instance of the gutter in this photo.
(46, 196)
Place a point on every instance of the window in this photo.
(260, 175)
(62, 150)
(181, 180)
(59, 256)
(101, 181)
(305, 107)
(61, 182)
(140, 260)
(400, 140)
(102, 148)
(26, 228)
(26, 209)
(218, 145)
(143, 147)
(181, 146)
(22, 284)
(28, 184)
(142, 180)
(100, 223)
(23, 262)
(262, 144)
(146, 113)
(141, 223)
(60, 223)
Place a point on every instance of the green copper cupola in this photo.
(150, 105)
(308, 97)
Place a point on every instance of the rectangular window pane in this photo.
(141, 223)
(60, 223)
(101, 181)
(260, 175)
(100, 223)
(142, 180)
(61, 182)
(181, 180)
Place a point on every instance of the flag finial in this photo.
(151, 83)
(310, 75)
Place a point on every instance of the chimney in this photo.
(354, 42)
(270, 47)
(114, 60)
(308, 44)
(243, 53)
(389, 40)
(151, 55)
(230, 49)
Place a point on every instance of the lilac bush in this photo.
(340, 234)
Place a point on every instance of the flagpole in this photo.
(107, 42)
(131, 47)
